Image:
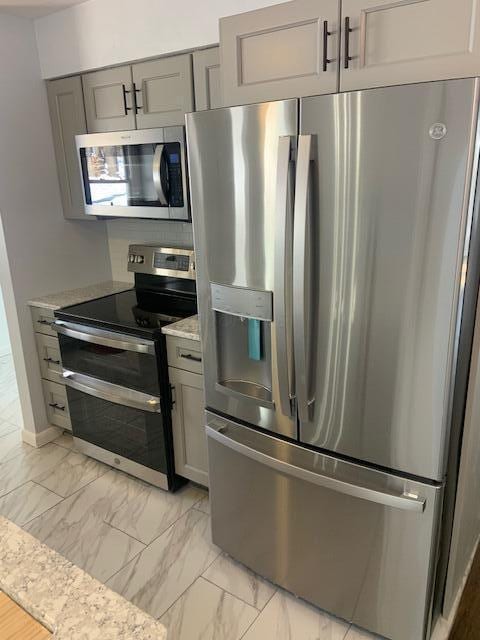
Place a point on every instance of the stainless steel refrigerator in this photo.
(336, 242)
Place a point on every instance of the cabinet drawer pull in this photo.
(326, 33)
(135, 102)
(348, 31)
(55, 405)
(46, 322)
(51, 360)
(189, 356)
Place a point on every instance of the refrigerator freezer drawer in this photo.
(356, 542)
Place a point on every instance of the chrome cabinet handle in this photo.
(348, 31)
(300, 291)
(283, 273)
(111, 392)
(51, 360)
(157, 175)
(189, 356)
(395, 500)
(326, 33)
(104, 338)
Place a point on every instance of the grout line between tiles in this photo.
(233, 594)
(112, 526)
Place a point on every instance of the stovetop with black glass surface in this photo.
(154, 302)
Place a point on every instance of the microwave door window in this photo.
(120, 175)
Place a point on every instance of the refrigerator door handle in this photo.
(283, 274)
(390, 499)
(301, 278)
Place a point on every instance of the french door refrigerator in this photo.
(336, 243)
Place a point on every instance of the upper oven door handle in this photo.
(159, 178)
(104, 338)
(111, 392)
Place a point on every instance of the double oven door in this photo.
(116, 400)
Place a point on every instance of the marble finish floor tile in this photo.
(76, 529)
(169, 565)
(74, 472)
(6, 428)
(12, 445)
(12, 412)
(65, 440)
(355, 633)
(205, 612)
(287, 618)
(27, 502)
(28, 465)
(153, 511)
(204, 505)
(239, 581)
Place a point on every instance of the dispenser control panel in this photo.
(238, 301)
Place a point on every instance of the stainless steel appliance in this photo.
(135, 174)
(337, 260)
(115, 365)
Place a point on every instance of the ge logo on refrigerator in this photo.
(437, 131)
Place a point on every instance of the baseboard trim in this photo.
(42, 437)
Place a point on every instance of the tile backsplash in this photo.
(122, 233)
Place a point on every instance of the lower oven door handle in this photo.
(395, 500)
(104, 338)
(111, 392)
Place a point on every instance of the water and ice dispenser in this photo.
(243, 319)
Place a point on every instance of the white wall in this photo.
(5, 347)
(100, 33)
(121, 233)
(40, 252)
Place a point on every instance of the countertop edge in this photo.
(55, 301)
(186, 328)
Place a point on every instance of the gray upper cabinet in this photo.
(164, 90)
(409, 41)
(283, 51)
(67, 114)
(109, 100)
(206, 73)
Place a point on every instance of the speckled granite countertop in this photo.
(65, 599)
(76, 296)
(186, 328)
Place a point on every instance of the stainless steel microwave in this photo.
(135, 174)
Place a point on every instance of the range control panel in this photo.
(175, 262)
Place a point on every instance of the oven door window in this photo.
(129, 369)
(132, 433)
(133, 175)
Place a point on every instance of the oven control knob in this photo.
(139, 259)
(131, 258)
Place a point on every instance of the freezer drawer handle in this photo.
(111, 392)
(104, 338)
(395, 500)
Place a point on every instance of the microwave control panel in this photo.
(175, 180)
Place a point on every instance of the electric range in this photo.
(115, 367)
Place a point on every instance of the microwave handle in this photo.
(158, 168)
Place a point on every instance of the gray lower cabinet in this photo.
(48, 348)
(164, 89)
(189, 438)
(109, 100)
(284, 51)
(67, 114)
(207, 80)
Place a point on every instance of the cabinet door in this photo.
(278, 52)
(408, 41)
(49, 358)
(164, 91)
(65, 100)
(109, 101)
(189, 438)
(206, 74)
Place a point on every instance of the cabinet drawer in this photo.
(49, 356)
(184, 354)
(57, 404)
(42, 321)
